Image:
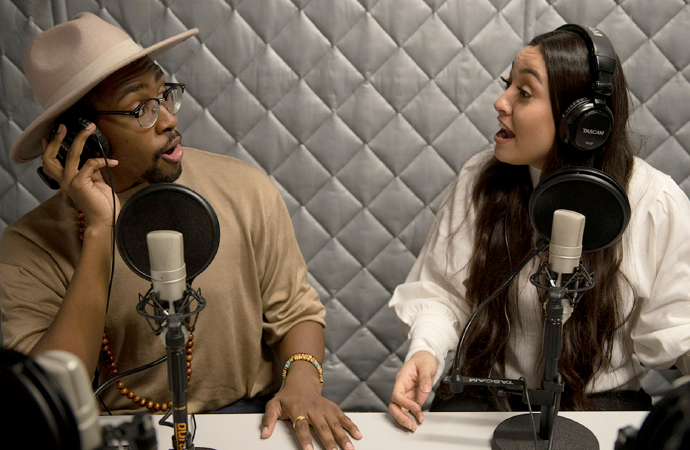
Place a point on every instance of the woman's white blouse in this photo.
(656, 260)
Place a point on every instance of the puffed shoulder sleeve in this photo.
(662, 279)
(431, 305)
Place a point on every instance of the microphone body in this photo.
(168, 270)
(565, 249)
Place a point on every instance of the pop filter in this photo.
(168, 206)
(589, 192)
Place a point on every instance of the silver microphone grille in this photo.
(166, 250)
(568, 228)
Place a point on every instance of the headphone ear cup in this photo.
(97, 145)
(586, 124)
(570, 117)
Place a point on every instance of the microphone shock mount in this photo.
(156, 310)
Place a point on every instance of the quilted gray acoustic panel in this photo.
(361, 112)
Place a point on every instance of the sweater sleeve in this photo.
(288, 298)
(32, 285)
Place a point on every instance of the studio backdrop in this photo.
(361, 112)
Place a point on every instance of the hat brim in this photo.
(29, 147)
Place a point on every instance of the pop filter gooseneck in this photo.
(589, 192)
(168, 206)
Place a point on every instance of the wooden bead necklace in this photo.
(112, 365)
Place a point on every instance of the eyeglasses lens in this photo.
(148, 114)
(173, 99)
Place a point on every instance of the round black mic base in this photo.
(517, 433)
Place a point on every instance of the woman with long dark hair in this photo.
(638, 312)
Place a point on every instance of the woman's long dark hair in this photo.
(502, 192)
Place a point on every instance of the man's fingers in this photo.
(339, 430)
(268, 423)
(301, 426)
(51, 166)
(350, 426)
(323, 429)
(49, 151)
(92, 166)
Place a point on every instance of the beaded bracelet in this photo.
(303, 357)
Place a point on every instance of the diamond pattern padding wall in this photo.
(361, 112)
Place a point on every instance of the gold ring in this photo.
(294, 422)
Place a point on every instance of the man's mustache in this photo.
(171, 137)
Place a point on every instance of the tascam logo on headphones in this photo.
(590, 131)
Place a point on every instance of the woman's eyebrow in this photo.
(532, 72)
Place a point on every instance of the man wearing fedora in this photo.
(262, 319)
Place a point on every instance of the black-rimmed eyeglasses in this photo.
(147, 111)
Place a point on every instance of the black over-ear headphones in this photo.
(588, 121)
(96, 145)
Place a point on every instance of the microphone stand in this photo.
(554, 432)
(175, 344)
(553, 328)
(517, 432)
(177, 381)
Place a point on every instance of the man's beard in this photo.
(154, 174)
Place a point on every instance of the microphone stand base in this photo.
(517, 433)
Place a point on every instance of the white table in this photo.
(459, 431)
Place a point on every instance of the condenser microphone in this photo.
(565, 249)
(168, 270)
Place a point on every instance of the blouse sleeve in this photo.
(661, 333)
(431, 304)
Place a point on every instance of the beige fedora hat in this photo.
(65, 62)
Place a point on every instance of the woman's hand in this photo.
(85, 186)
(412, 387)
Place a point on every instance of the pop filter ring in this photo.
(574, 188)
(155, 203)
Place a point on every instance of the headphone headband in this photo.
(602, 58)
(587, 123)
